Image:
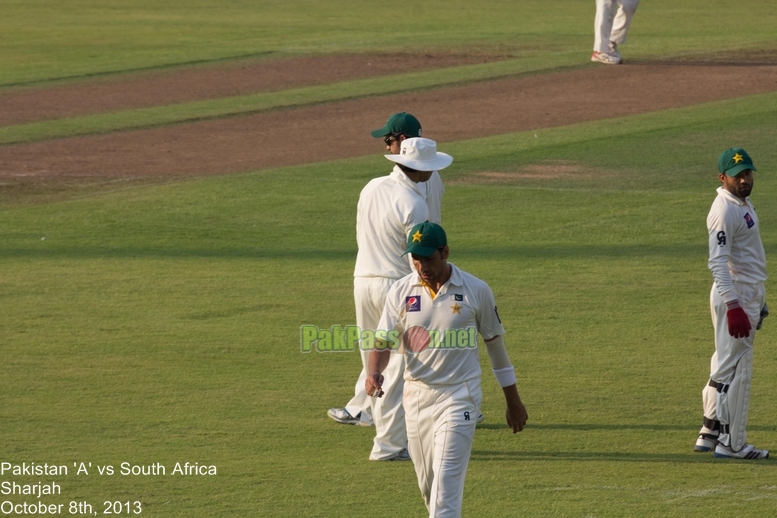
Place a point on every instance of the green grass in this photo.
(161, 324)
(44, 41)
(552, 46)
(244, 104)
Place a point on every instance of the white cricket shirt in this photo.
(736, 251)
(388, 208)
(463, 307)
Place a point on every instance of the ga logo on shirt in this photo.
(413, 303)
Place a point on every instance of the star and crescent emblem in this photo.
(737, 158)
(417, 236)
(456, 308)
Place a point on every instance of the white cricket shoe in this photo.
(705, 442)
(748, 451)
(481, 418)
(607, 59)
(342, 416)
(614, 51)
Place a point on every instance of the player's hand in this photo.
(373, 385)
(516, 416)
(738, 323)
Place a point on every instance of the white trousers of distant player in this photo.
(386, 412)
(440, 429)
(732, 365)
(612, 21)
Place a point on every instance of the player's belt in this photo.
(720, 387)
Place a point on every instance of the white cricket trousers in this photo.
(440, 429)
(612, 22)
(731, 365)
(386, 412)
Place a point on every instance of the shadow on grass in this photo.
(692, 426)
(522, 252)
(686, 458)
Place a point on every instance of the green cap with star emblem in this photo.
(425, 238)
(401, 123)
(734, 160)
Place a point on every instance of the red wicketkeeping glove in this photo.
(738, 323)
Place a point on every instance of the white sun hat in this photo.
(421, 154)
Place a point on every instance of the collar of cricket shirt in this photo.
(398, 175)
(454, 280)
(734, 198)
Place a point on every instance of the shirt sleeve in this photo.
(416, 213)
(434, 192)
(721, 228)
(487, 318)
(413, 212)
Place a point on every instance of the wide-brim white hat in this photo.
(421, 154)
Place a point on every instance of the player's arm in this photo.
(720, 233)
(720, 230)
(434, 193)
(490, 327)
(412, 212)
(505, 375)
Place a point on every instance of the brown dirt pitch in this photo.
(332, 130)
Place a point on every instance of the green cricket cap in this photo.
(425, 238)
(399, 124)
(735, 160)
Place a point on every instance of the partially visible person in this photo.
(611, 26)
(738, 264)
(439, 310)
(388, 208)
(398, 128)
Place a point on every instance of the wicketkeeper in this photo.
(738, 264)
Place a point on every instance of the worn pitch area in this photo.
(331, 130)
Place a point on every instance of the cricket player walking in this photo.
(389, 207)
(738, 264)
(440, 310)
(369, 298)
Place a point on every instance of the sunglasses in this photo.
(391, 138)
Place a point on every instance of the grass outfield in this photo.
(159, 325)
(91, 38)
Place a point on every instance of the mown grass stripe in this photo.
(245, 104)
